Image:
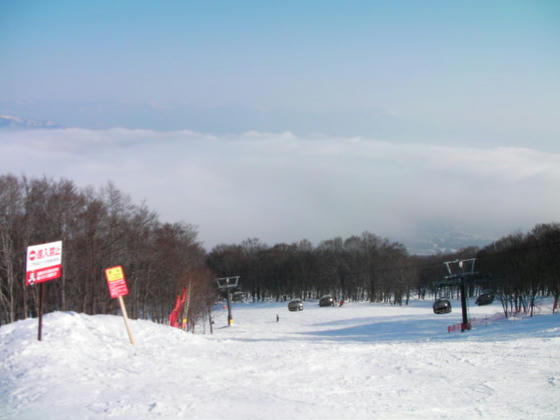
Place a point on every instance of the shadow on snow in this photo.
(423, 329)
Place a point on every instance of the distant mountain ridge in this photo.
(8, 121)
(442, 242)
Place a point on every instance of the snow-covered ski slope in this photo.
(358, 361)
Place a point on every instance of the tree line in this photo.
(352, 268)
(99, 229)
(517, 268)
(523, 267)
(103, 228)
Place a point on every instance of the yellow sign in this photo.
(114, 274)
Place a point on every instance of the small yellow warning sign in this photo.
(114, 273)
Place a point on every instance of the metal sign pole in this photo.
(43, 263)
(41, 308)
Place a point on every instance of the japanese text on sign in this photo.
(43, 262)
(116, 281)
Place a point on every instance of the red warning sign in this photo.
(116, 281)
(44, 263)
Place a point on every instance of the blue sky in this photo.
(481, 75)
(445, 71)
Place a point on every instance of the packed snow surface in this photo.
(358, 361)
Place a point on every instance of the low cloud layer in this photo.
(279, 187)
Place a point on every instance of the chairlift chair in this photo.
(442, 306)
(485, 299)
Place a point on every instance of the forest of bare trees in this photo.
(99, 229)
(103, 228)
(363, 267)
(517, 269)
(524, 267)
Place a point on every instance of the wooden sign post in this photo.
(118, 288)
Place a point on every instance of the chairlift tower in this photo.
(461, 271)
(227, 284)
